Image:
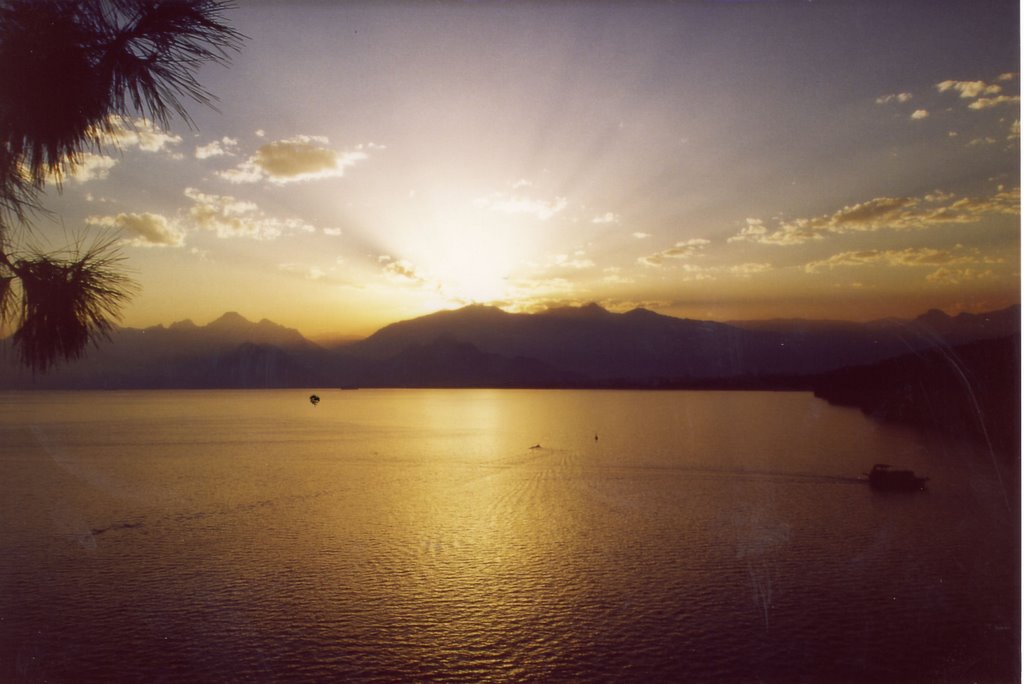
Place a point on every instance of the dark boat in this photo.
(883, 476)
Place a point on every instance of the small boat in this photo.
(885, 477)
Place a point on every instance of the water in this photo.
(415, 535)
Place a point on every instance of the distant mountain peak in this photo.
(934, 316)
(592, 309)
(231, 319)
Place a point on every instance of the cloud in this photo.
(533, 294)
(607, 217)
(681, 250)
(308, 272)
(919, 114)
(138, 133)
(749, 269)
(91, 166)
(122, 134)
(641, 235)
(577, 260)
(985, 95)
(401, 271)
(333, 232)
(613, 275)
(518, 204)
(969, 89)
(1014, 133)
(955, 276)
(894, 97)
(217, 148)
(884, 213)
(909, 257)
(989, 102)
(148, 230)
(298, 159)
(229, 217)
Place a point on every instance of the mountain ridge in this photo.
(483, 345)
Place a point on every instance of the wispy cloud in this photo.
(121, 134)
(143, 230)
(298, 159)
(919, 114)
(91, 166)
(535, 294)
(681, 250)
(578, 260)
(520, 204)
(969, 89)
(229, 217)
(138, 132)
(894, 97)
(985, 95)
(989, 102)
(749, 269)
(607, 217)
(401, 271)
(217, 148)
(909, 257)
(884, 213)
(956, 276)
(613, 275)
(307, 272)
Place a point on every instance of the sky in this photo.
(373, 162)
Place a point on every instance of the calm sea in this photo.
(479, 536)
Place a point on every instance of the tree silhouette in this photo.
(72, 72)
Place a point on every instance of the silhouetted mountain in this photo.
(971, 389)
(485, 346)
(641, 346)
(183, 355)
(587, 341)
(967, 327)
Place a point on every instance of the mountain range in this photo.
(482, 346)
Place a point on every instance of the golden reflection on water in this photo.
(411, 535)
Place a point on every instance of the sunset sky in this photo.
(372, 162)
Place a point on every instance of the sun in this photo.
(472, 277)
(466, 255)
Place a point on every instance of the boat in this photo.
(885, 477)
